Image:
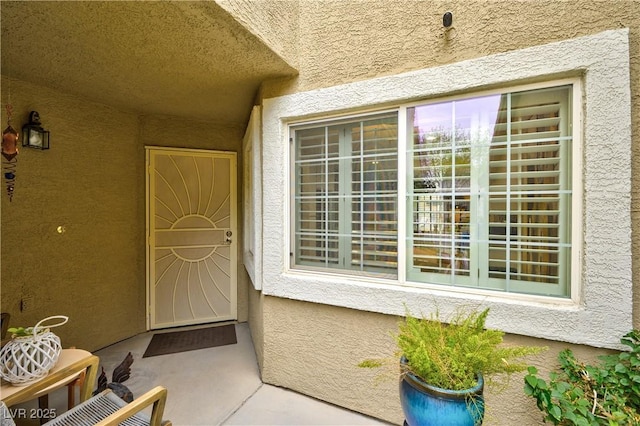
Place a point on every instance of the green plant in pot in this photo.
(443, 367)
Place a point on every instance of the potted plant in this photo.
(607, 393)
(444, 366)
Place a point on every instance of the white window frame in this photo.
(602, 309)
(576, 181)
(458, 283)
(252, 199)
(344, 158)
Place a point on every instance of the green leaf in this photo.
(618, 415)
(531, 381)
(528, 390)
(563, 387)
(567, 399)
(571, 416)
(582, 409)
(20, 331)
(620, 368)
(578, 392)
(555, 412)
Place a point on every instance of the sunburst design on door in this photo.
(191, 223)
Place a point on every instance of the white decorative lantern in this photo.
(28, 358)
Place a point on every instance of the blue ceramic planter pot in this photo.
(426, 405)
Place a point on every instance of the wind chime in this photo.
(9, 153)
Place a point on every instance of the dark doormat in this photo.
(190, 340)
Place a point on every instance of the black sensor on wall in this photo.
(447, 19)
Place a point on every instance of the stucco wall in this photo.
(273, 22)
(341, 42)
(91, 182)
(313, 348)
(256, 323)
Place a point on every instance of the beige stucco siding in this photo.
(92, 182)
(256, 323)
(600, 306)
(313, 348)
(275, 23)
(346, 41)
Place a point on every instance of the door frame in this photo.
(233, 195)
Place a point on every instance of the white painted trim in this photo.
(577, 185)
(402, 194)
(604, 312)
(252, 194)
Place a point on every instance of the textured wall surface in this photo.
(181, 58)
(274, 22)
(312, 348)
(256, 323)
(91, 182)
(600, 309)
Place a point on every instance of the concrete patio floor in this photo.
(217, 386)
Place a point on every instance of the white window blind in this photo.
(490, 192)
(488, 197)
(345, 198)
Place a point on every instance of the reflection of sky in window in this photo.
(475, 119)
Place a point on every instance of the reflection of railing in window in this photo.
(444, 247)
(428, 216)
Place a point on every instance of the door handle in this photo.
(228, 237)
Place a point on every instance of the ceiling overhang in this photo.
(183, 59)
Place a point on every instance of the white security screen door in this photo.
(191, 238)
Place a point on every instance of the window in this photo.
(346, 191)
(488, 193)
(594, 188)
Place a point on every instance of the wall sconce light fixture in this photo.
(33, 135)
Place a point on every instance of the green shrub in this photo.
(579, 394)
(451, 355)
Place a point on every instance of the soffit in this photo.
(185, 59)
